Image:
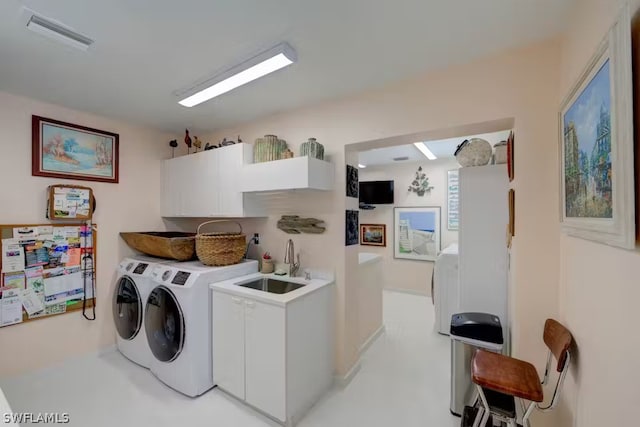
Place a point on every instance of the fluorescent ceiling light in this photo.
(56, 31)
(423, 148)
(361, 166)
(256, 67)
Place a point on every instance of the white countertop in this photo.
(367, 257)
(230, 286)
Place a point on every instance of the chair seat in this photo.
(506, 375)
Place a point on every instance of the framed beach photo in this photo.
(596, 145)
(69, 151)
(416, 233)
(373, 235)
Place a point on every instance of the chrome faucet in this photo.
(289, 253)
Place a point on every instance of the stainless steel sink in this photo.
(273, 286)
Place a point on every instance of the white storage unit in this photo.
(289, 174)
(207, 184)
(483, 256)
(277, 357)
(445, 287)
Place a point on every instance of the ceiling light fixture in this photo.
(423, 148)
(55, 30)
(260, 65)
(361, 166)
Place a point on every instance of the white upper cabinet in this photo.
(206, 184)
(289, 174)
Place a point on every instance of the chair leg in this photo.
(486, 411)
(527, 414)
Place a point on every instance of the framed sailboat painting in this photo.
(70, 151)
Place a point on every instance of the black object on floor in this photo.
(469, 415)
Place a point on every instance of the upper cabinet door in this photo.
(265, 357)
(228, 342)
(201, 188)
(205, 184)
(231, 160)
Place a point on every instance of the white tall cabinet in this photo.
(483, 255)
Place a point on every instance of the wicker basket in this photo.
(220, 248)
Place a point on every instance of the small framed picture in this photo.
(373, 234)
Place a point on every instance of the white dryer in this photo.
(446, 287)
(178, 322)
(132, 289)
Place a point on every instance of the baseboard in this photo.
(408, 291)
(343, 381)
(374, 336)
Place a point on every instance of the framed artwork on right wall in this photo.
(596, 145)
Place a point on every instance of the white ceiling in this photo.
(145, 50)
(442, 149)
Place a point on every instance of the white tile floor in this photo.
(403, 382)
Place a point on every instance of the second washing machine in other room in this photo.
(178, 322)
(445, 287)
(132, 289)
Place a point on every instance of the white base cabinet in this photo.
(207, 184)
(278, 359)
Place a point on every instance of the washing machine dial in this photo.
(166, 275)
(129, 266)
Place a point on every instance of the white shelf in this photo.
(297, 173)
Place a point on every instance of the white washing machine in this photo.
(132, 289)
(178, 322)
(446, 287)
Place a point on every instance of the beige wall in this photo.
(403, 274)
(133, 204)
(520, 84)
(599, 290)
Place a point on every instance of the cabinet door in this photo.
(168, 206)
(228, 343)
(230, 164)
(265, 357)
(201, 187)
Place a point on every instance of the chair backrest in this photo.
(558, 339)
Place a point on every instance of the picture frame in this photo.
(70, 151)
(373, 235)
(512, 212)
(351, 228)
(416, 233)
(596, 145)
(453, 200)
(510, 156)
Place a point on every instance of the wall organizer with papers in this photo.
(46, 270)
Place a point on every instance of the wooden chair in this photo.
(500, 379)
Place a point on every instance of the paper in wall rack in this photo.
(46, 270)
(70, 202)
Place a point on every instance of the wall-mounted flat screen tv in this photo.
(376, 192)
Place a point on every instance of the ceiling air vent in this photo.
(56, 31)
(400, 159)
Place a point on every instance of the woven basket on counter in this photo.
(220, 248)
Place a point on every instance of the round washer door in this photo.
(127, 308)
(164, 324)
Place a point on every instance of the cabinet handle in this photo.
(250, 304)
(236, 300)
